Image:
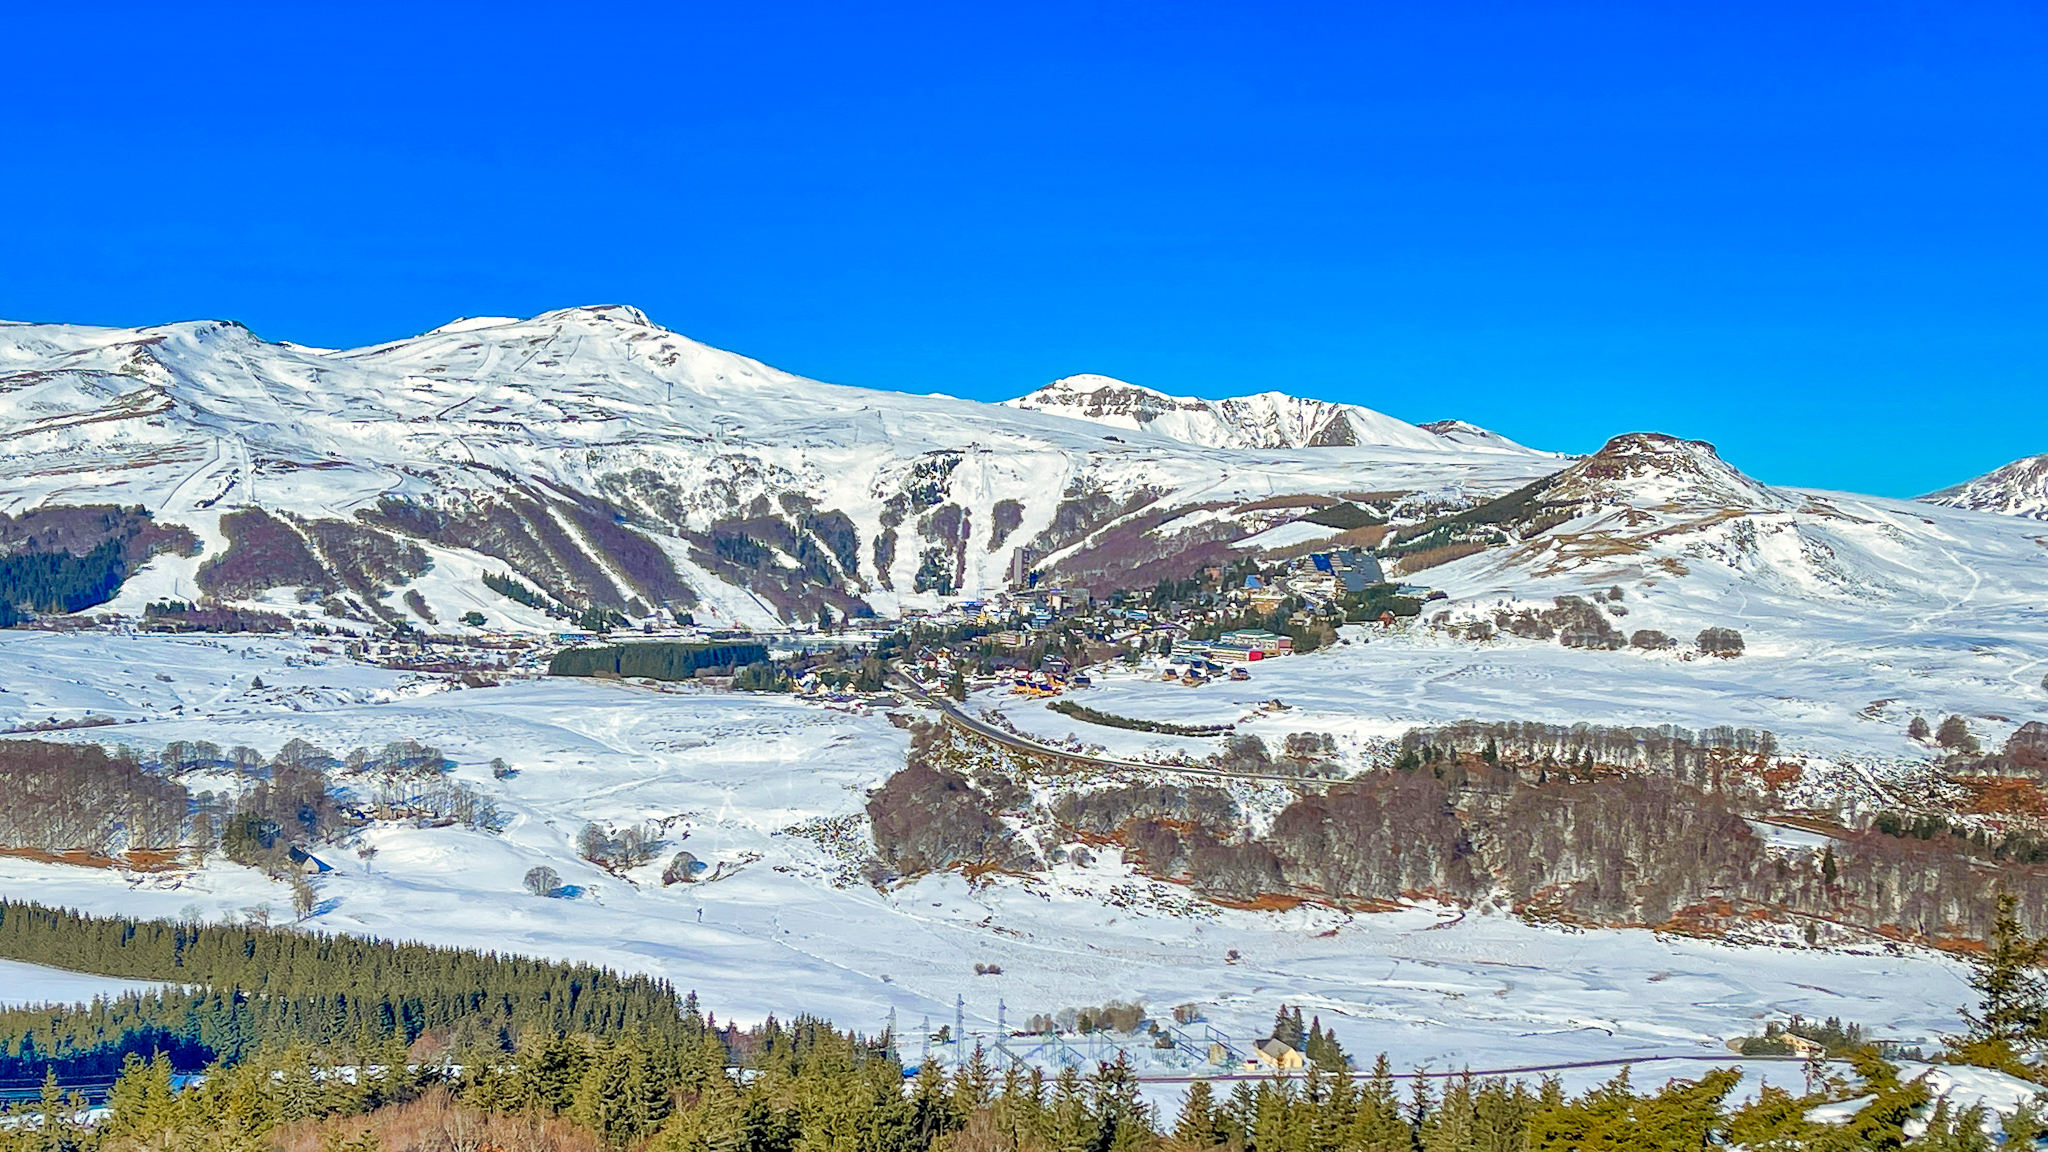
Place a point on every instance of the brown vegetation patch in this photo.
(1145, 548)
(141, 860)
(1431, 557)
(1272, 503)
(263, 552)
(1779, 775)
(436, 1122)
(1366, 537)
(1269, 902)
(2003, 796)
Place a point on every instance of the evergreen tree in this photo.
(1322, 1050)
(1197, 1127)
(1450, 1127)
(2008, 1025)
(1379, 1125)
(1071, 1128)
(1122, 1119)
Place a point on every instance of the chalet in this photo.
(306, 863)
(1275, 1055)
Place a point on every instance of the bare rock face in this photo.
(1652, 471)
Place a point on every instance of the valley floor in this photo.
(769, 791)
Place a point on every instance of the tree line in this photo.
(1462, 821)
(57, 797)
(622, 1062)
(656, 661)
(240, 989)
(807, 1087)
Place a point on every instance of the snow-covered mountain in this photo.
(1695, 543)
(2018, 489)
(1266, 420)
(606, 461)
(1471, 435)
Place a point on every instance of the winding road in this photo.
(958, 718)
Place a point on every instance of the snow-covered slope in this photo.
(771, 792)
(1266, 420)
(2018, 489)
(1472, 435)
(607, 461)
(1896, 587)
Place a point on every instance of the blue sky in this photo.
(1813, 234)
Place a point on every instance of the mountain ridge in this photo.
(2016, 489)
(555, 446)
(1260, 420)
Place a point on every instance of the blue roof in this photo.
(1252, 582)
(1322, 562)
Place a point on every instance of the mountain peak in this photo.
(599, 313)
(2017, 489)
(1264, 420)
(1647, 469)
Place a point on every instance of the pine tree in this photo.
(1322, 1050)
(2011, 1020)
(1122, 1118)
(1421, 1105)
(1197, 1126)
(1071, 1127)
(1379, 1126)
(1450, 1127)
(1500, 1118)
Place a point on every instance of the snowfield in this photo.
(769, 791)
(23, 985)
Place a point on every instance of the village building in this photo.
(1252, 644)
(1276, 1056)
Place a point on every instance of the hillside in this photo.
(613, 464)
(2018, 489)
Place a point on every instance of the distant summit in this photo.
(2018, 489)
(1471, 435)
(1652, 471)
(1265, 420)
